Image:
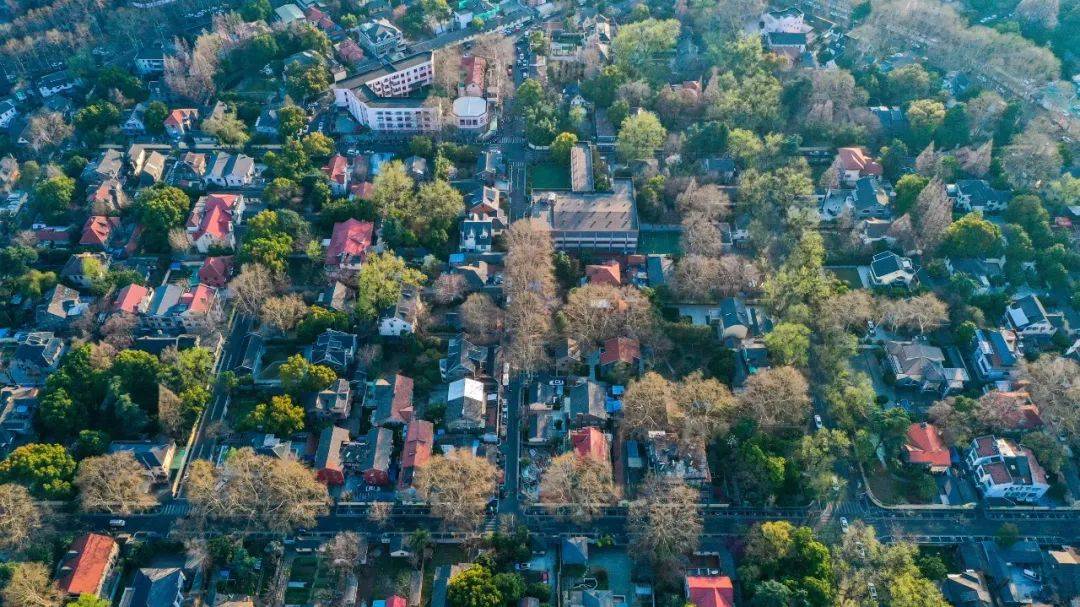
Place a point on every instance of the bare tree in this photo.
(380, 512)
(118, 330)
(1054, 384)
(179, 240)
(449, 288)
(343, 551)
(932, 215)
(481, 318)
(530, 294)
(170, 412)
(20, 517)
(30, 585)
(664, 525)
(283, 312)
(984, 112)
(446, 63)
(48, 130)
(649, 404)
(777, 397)
(580, 485)
(115, 483)
(458, 487)
(701, 236)
(919, 314)
(1032, 158)
(707, 200)
(596, 312)
(260, 492)
(849, 310)
(1040, 12)
(251, 287)
(702, 278)
(975, 160)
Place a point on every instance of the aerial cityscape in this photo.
(539, 303)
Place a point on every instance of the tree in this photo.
(291, 120)
(530, 292)
(1007, 535)
(31, 585)
(924, 117)
(664, 525)
(789, 344)
(281, 416)
(638, 47)
(908, 82)
(583, 485)
(1032, 159)
(160, 208)
(457, 486)
(473, 587)
(299, 376)
(304, 82)
(640, 136)
(318, 145)
(343, 551)
(283, 312)
(113, 483)
(908, 188)
(973, 236)
(392, 191)
(848, 310)
(52, 197)
(776, 397)
(1048, 452)
(20, 517)
(89, 600)
(229, 129)
(46, 470)
(276, 495)
(953, 131)
(255, 10)
(251, 287)
(561, 146)
(382, 279)
(595, 313)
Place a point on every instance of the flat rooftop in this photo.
(568, 211)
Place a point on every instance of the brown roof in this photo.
(924, 446)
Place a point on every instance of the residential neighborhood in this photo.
(572, 303)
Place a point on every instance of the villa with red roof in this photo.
(191, 309)
(710, 591)
(419, 440)
(215, 271)
(53, 236)
(349, 244)
(213, 219)
(337, 170)
(856, 163)
(475, 69)
(620, 350)
(87, 565)
(180, 121)
(590, 442)
(362, 190)
(97, 230)
(132, 299)
(604, 274)
(924, 447)
(349, 51)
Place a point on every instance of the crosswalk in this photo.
(512, 140)
(177, 508)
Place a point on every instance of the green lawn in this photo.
(549, 176)
(659, 242)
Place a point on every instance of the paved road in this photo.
(203, 447)
(509, 504)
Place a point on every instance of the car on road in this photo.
(117, 523)
(843, 524)
(818, 423)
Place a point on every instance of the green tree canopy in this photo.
(382, 279)
(46, 470)
(474, 587)
(640, 136)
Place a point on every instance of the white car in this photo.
(818, 423)
(843, 524)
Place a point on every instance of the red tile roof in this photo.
(590, 442)
(419, 439)
(362, 190)
(350, 240)
(856, 159)
(1014, 410)
(97, 229)
(337, 168)
(474, 67)
(396, 601)
(604, 274)
(53, 234)
(620, 349)
(215, 271)
(181, 117)
(998, 473)
(200, 299)
(401, 407)
(710, 591)
(85, 572)
(924, 446)
(129, 298)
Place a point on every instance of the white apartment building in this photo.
(386, 99)
(1006, 470)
